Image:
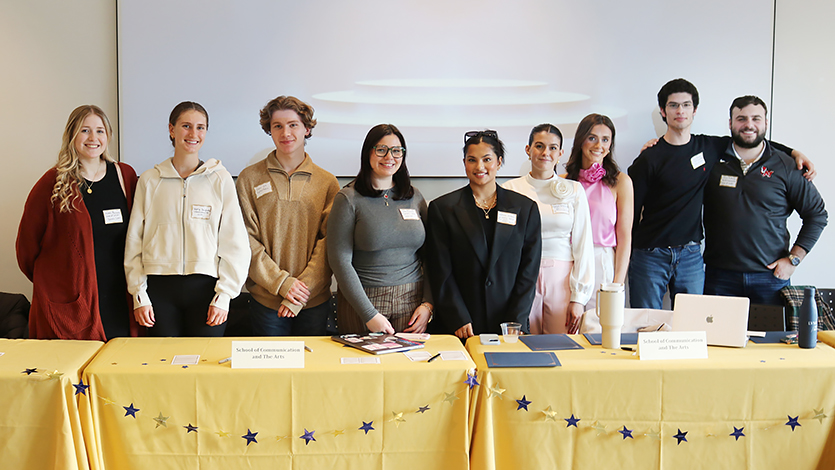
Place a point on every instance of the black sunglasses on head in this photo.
(489, 133)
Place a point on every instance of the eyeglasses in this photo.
(489, 133)
(685, 105)
(396, 152)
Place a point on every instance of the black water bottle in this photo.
(807, 325)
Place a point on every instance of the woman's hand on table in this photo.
(299, 294)
(217, 316)
(465, 331)
(144, 315)
(572, 318)
(379, 324)
(420, 318)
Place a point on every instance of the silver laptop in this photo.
(723, 319)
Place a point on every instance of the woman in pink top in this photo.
(609, 192)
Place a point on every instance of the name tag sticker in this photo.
(559, 208)
(728, 181)
(200, 212)
(263, 189)
(409, 214)
(697, 160)
(507, 218)
(112, 216)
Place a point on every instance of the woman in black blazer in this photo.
(484, 246)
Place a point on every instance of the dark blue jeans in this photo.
(652, 271)
(761, 288)
(312, 321)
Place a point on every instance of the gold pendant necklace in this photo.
(89, 184)
(486, 206)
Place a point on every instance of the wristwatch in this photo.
(794, 259)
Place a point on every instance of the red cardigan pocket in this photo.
(70, 320)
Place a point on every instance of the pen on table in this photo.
(307, 348)
(224, 361)
(434, 357)
(627, 348)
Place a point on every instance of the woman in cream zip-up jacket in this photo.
(187, 251)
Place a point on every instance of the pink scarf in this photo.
(594, 174)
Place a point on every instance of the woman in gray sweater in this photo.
(375, 239)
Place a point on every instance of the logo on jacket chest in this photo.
(766, 172)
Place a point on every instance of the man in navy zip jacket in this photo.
(751, 192)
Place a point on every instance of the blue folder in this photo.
(772, 337)
(625, 338)
(521, 359)
(549, 342)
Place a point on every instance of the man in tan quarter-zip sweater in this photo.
(285, 200)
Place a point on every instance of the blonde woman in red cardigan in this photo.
(71, 239)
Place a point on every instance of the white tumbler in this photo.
(610, 300)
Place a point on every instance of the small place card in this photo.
(185, 359)
(268, 354)
(361, 360)
(417, 355)
(453, 356)
(662, 345)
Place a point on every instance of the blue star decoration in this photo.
(793, 422)
(250, 437)
(130, 411)
(190, 428)
(30, 371)
(523, 403)
(572, 421)
(308, 436)
(737, 433)
(80, 387)
(626, 433)
(682, 436)
(471, 380)
(423, 409)
(366, 426)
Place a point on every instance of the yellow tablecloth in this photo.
(39, 421)
(328, 399)
(752, 392)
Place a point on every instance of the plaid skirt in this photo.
(396, 303)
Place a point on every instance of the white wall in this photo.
(56, 56)
(804, 100)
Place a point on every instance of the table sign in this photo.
(268, 354)
(660, 345)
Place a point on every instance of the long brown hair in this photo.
(575, 161)
(68, 168)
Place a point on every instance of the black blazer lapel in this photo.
(503, 231)
(472, 227)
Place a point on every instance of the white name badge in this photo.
(728, 181)
(268, 354)
(559, 208)
(263, 189)
(697, 160)
(672, 345)
(201, 212)
(112, 216)
(507, 218)
(409, 214)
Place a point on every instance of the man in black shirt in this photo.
(750, 193)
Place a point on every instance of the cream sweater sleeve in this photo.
(233, 246)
